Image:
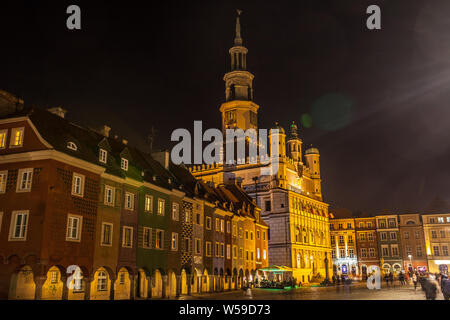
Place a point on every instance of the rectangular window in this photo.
(383, 236)
(228, 251)
(340, 226)
(349, 225)
(385, 251)
(258, 256)
(217, 224)
(406, 235)
(419, 251)
(159, 239)
(54, 277)
(78, 184)
(147, 237)
(234, 252)
(129, 201)
(208, 223)
(3, 134)
(417, 234)
(234, 230)
(372, 252)
(393, 236)
(246, 255)
(408, 250)
(198, 246)
(124, 164)
(370, 236)
(440, 220)
(267, 205)
(444, 250)
(436, 250)
(187, 244)
(362, 236)
(433, 234)
(102, 281)
(333, 253)
(103, 156)
(222, 223)
(161, 203)
(148, 206)
(19, 223)
(252, 256)
(363, 252)
(25, 179)
(175, 211)
(342, 253)
(106, 234)
(257, 234)
(222, 250)
(241, 253)
(187, 215)
(109, 195)
(208, 248)
(369, 224)
(73, 228)
(442, 232)
(264, 254)
(264, 235)
(174, 241)
(228, 227)
(16, 137)
(127, 237)
(392, 223)
(198, 219)
(394, 251)
(382, 224)
(216, 246)
(246, 234)
(350, 239)
(351, 253)
(3, 179)
(431, 220)
(122, 278)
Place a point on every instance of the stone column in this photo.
(132, 286)
(164, 286)
(87, 287)
(39, 281)
(112, 289)
(149, 287)
(200, 287)
(65, 289)
(189, 281)
(178, 293)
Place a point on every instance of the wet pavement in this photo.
(357, 291)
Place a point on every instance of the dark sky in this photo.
(379, 100)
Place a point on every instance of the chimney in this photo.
(105, 130)
(60, 112)
(162, 157)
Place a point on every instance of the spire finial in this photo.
(238, 38)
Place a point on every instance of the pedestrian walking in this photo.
(431, 289)
(386, 278)
(414, 279)
(391, 278)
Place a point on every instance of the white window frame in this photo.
(144, 245)
(82, 179)
(103, 156)
(372, 252)
(78, 230)
(13, 134)
(174, 234)
(23, 226)
(222, 225)
(113, 195)
(159, 211)
(102, 242)
(228, 251)
(124, 164)
(102, 279)
(3, 181)
(148, 204)
(208, 248)
(394, 246)
(129, 196)
(3, 138)
(175, 211)
(235, 252)
(258, 255)
(124, 244)
(20, 180)
(363, 252)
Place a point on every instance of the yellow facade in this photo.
(437, 241)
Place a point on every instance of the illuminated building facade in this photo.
(290, 198)
(130, 224)
(367, 245)
(436, 229)
(343, 244)
(389, 246)
(413, 242)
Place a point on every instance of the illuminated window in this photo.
(147, 237)
(234, 230)
(264, 254)
(106, 234)
(124, 164)
(54, 277)
(148, 203)
(109, 195)
(174, 241)
(161, 204)
(77, 184)
(257, 254)
(103, 156)
(229, 251)
(217, 224)
(351, 253)
(129, 201)
(3, 179)
(222, 223)
(72, 146)
(440, 220)
(19, 223)
(17, 137)
(372, 252)
(122, 278)
(102, 281)
(234, 252)
(251, 235)
(73, 228)
(3, 134)
(257, 234)
(25, 178)
(436, 250)
(363, 252)
(370, 236)
(444, 250)
(362, 236)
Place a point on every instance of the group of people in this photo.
(430, 283)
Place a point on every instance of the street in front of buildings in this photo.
(357, 291)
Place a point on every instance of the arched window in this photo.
(305, 236)
(72, 146)
(102, 283)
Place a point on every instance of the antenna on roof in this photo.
(151, 138)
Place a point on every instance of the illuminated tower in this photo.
(239, 110)
(312, 161)
(277, 134)
(294, 144)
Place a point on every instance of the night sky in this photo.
(379, 100)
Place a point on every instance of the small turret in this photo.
(312, 161)
(294, 144)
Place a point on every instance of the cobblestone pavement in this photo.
(356, 292)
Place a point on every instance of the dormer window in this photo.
(124, 164)
(17, 137)
(72, 146)
(103, 156)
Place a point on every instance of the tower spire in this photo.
(238, 38)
